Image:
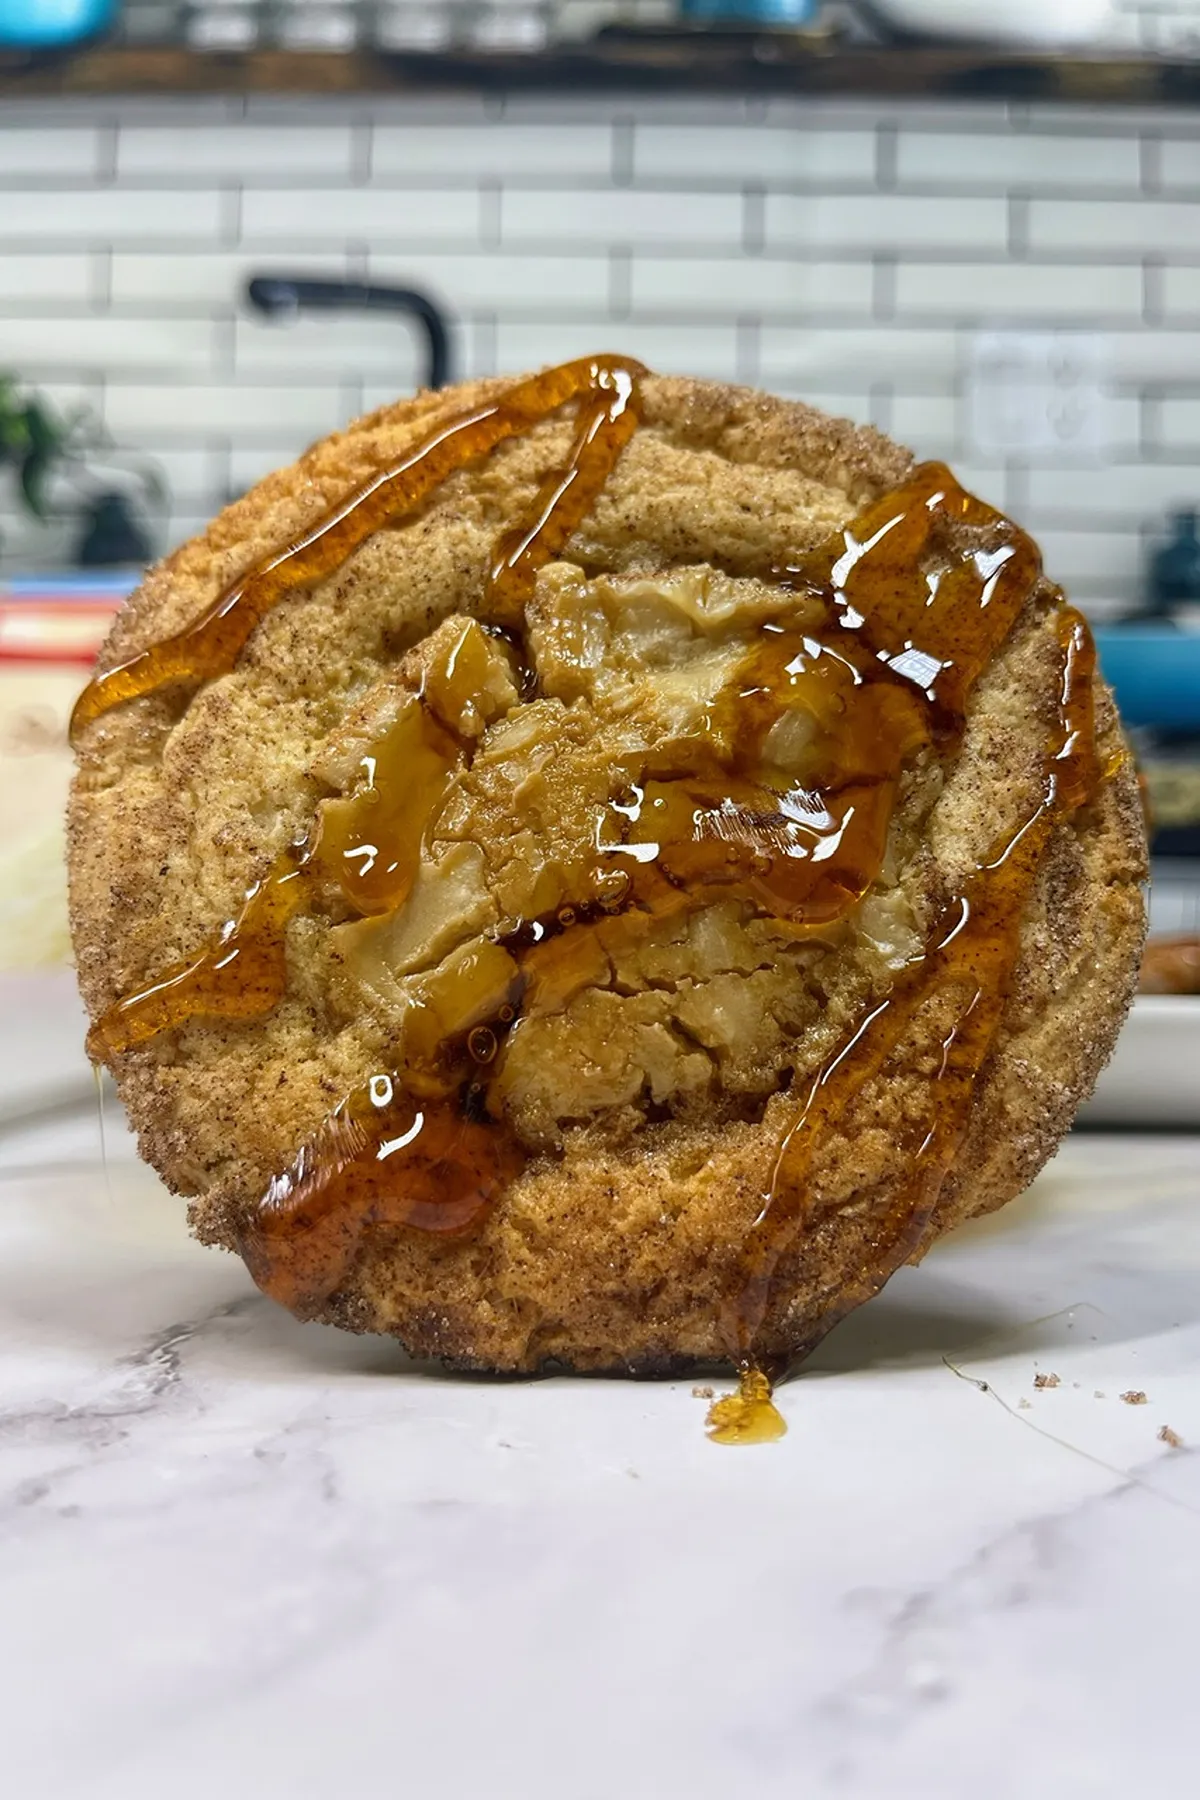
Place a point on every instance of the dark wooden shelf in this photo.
(664, 61)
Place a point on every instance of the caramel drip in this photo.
(241, 976)
(383, 1159)
(972, 952)
(748, 1417)
(607, 389)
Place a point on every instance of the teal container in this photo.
(1154, 672)
(45, 24)
(752, 12)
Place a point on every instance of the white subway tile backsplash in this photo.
(1030, 161)
(1180, 163)
(49, 343)
(837, 250)
(50, 152)
(1159, 357)
(751, 285)
(281, 412)
(1155, 227)
(1181, 293)
(65, 279)
(874, 352)
(625, 215)
(530, 282)
(736, 153)
(1179, 423)
(390, 216)
(245, 152)
(107, 215)
(1019, 290)
(193, 472)
(1124, 493)
(321, 344)
(710, 350)
(928, 423)
(885, 222)
(1094, 561)
(250, 463)
(415, 152)
(203, 282)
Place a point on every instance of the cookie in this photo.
(598, 871)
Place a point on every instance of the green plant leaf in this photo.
(14, 434)
(34, 470)
(46, 433)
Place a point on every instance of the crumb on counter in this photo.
(1024, 1405)
(1167, 1436)
(1134, 1397)
(703, 1393)
(1099, 1394)
(1046, 1381)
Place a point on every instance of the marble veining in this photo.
(242, 1555)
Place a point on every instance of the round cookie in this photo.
(670, 1049)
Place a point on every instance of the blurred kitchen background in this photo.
(977, 226)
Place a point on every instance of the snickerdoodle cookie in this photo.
(600, 870)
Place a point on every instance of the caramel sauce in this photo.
(383, 1159)
(370, 842)
(241, 976)
(748, 1417)
(608, 419)
(607, 389)
(918, 593)
(972, 951)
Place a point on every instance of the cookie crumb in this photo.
(1024, 1405)
(1045, 1381)
(704, 1393)
(1167, 1436)
(1134, 1397)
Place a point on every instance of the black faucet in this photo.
(278, 296)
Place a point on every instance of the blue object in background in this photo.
(70, 584)
(41, 24)
(1154, 671)
(758, 12)
(1175, 568)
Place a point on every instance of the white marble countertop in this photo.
(247, 1557)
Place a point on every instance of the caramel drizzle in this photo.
(972, 950)
(384, 1157)
(244, 975)
(241, 976)
(394, 1154)
(607, 389)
